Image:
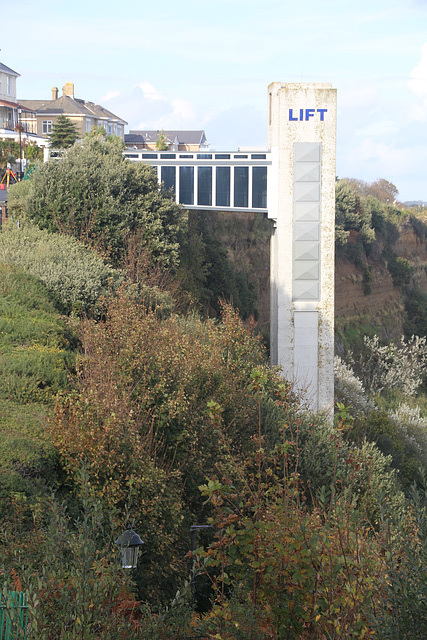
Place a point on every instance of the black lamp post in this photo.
(20, 143)
(193, 529)
(129, 543)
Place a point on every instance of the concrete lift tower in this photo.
(301, 202)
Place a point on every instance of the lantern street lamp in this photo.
(129, 543)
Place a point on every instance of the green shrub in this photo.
(99, 197)
(28, 460)
(415, 313)
(17, 199)
(400, 270)
(404, 540)
(36, 344)
(77, 276)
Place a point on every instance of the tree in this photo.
(64, 134)
(351, 212)
(161, 142)
(98, 196)
(383, 190)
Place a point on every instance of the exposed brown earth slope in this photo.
(382, 310)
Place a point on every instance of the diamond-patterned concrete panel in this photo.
(306, 290)
(306, 270)
(306, 251)
(306, 231)
(306, 211)
(307, 152)
(306, 191)
(307, 172)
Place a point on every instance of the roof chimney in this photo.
(54, 93)
(68, 89)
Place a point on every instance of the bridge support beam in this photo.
(301, 204)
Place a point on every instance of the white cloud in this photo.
(379, 128)
(109, 96)
(358, 97)
(418, 81)
(401, 165)
(183, 110)
(146, 107)
(150, 92)
(383, 157)
(418, 86)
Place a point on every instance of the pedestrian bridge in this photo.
(233, 181)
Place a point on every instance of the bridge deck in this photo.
(229, 180)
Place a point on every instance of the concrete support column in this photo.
(301, 203)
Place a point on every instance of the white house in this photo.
(8, 104)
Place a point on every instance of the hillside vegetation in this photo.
(134, 397)
(381, 260)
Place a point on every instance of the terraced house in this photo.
(8, 104)
(39, 116)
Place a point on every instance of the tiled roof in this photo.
(70, 106)
(34, 105)
(7, 103)
(183, 137)
(11, 72)
(134, 138)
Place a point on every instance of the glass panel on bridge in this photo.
(204, 186)
(223, 186)
(259, 187)
(186, 185)
(168, 177)
(241, 184)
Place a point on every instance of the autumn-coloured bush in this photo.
(403, 613)
(282, 566)
(137, 417)
(68, 570)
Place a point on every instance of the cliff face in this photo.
(366, 299)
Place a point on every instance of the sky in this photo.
(191, 64)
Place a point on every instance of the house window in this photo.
(109, 129)
(8, 86)
(88, 125)
(47, 126)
